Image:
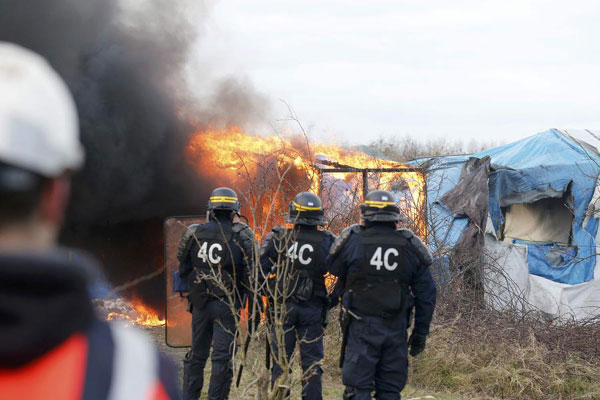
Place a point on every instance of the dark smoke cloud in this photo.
(125, 68)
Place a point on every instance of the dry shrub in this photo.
(486, 354)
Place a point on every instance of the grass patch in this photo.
(502, 360)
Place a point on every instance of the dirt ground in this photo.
(332, 386)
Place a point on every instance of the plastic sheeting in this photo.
(549, 163)
(473, 180)
(442, 175)
(506, 276)
(509, 285)
(557, 263)
(556, 277)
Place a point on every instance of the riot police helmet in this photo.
(380, 206)
(306, 209)
(224, 200)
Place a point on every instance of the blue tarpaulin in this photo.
(549, 164)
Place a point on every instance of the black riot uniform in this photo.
(215, 259)
(380, 270)
(294, 260)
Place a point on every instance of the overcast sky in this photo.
(495, 70)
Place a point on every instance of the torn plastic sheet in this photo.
(509, 285)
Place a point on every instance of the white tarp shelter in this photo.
(539, 231)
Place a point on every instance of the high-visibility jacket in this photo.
(53, 347)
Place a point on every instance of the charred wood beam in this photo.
(367, 170)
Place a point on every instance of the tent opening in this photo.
(546, 220)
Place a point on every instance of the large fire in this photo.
(268, 171)
(142, 316)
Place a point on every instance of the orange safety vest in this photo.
(60, 374)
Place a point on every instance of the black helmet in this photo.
(306, 209)
(225, 199)
(380, 206)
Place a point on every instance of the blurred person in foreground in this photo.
(382, 271)
(51, 344)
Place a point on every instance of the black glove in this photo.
(416, 343)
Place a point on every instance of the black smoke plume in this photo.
(124, 62)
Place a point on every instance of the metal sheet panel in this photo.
(178, 320)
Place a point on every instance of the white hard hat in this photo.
(39, 130)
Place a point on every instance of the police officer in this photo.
(295, 260)
(215, 261)
(379, 268)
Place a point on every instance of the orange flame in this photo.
(248, 162)
(144, 316)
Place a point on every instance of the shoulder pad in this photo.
(341, 240)
(183, 243)
(277, 232)
(327, 232)
(274, 234)
(246, 234)
(239, 227)
(356, 228)
(422, 252)
(406, 233)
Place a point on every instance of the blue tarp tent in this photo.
(542, 195)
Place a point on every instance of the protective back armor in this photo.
(216, 260)
(305, 253)
(380, 285)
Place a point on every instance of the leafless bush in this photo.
(488, 340)
(504, 347)
(406, 148)
(266, 185)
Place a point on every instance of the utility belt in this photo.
(379, 296)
